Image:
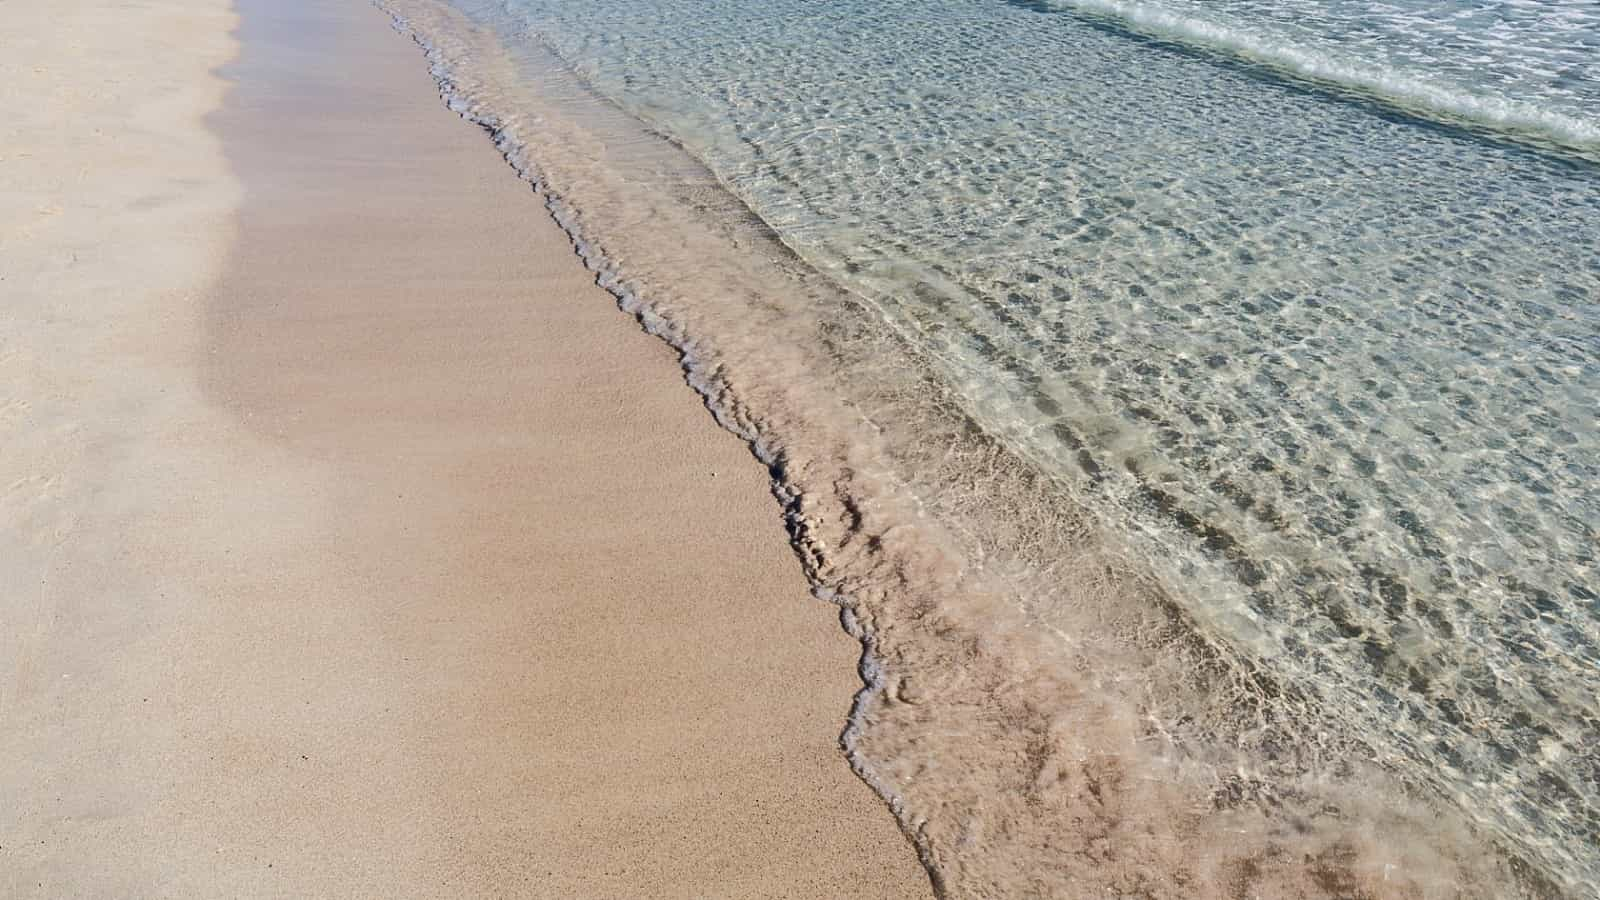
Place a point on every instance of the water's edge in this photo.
(705, 384)
(820, 543)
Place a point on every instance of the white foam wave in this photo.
(1411, 90)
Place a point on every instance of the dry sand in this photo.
(352, 543)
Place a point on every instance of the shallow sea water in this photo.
(1194, 405)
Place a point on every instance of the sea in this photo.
(1191, 405)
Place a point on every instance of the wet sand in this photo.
(352, 542)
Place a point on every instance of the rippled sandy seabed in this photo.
(1203, 447)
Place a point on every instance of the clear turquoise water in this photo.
(1299, 300)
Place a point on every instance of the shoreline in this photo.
(988, 691)
(366, 532)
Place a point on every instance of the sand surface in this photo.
(352, 543)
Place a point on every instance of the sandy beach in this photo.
(352, 541)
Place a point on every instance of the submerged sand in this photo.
(351, 541)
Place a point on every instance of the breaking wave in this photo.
(1410, 88)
